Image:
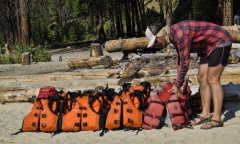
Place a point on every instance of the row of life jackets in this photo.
(91, 110)
(133, 108)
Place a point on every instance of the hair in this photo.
(165, 31)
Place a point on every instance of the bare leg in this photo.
(205, 89)
(205, 92)
(214, 74)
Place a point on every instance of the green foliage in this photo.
(2, 41)
(10, 59)
(152, 16)
(90, 37)
(72, 34)
(39, 54)
(205, 10)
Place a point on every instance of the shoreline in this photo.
(13, 114)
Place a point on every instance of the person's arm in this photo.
(183, 50)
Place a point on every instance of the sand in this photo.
(12, 115)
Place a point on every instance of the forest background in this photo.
(36, 25)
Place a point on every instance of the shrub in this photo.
(39, 54)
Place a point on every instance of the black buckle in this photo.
(77, 124)
(33, 124)
(130, 120)
(129, 110)
(178, 125)
(85, 115)
(85, 124)
(36, 115)
(44, 125)
(44, 115)
(116, 121)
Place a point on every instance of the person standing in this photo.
(212, 43)
(236, 19)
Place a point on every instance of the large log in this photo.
(133, 44)
(80, 74)
(28, 91)
(235, 32)
(126, 44)
(90, 62)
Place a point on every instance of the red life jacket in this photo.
(176, 108)
(153, 114)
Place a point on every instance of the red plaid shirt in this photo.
(195, 37)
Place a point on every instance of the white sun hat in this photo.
(151, 32)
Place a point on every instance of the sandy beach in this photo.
(12, 115)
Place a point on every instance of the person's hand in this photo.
(175, 90)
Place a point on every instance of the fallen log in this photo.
(89, 62)
(230, 74)
(82, 74)
(235, 45)
(129, 44)
(28, 91)
(234, 31)
(134, 44)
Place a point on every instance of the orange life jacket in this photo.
(134, 103)
(113, 103)
(49, 115)
(90, 106)
(42, 117)
(31, 121)
(71, 121)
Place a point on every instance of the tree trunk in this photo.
(10, 26)
(133, 18)
(112, 24)
(169, 13)
(26, 58)
(23, 5)
(96, 50)
(101, 33)
(59, 12)
(219, 13)
(18, 20)
(143, 16)
(227, 13)
(137, 19)
(128, 19)
(190, 10)
(161, 11)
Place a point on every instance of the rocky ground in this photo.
(49, 67)
(21, 83)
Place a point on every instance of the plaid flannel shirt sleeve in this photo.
(183, 45)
